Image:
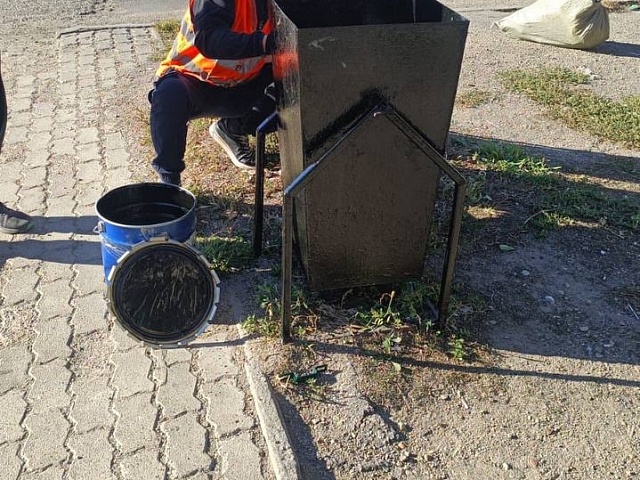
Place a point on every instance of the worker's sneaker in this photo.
(236, 146)
(12, 221)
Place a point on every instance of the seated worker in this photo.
(11, 221)
(219, 65)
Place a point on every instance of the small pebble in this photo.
(525, 273)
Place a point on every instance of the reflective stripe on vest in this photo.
(185, 57)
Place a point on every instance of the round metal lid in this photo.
(163, 292)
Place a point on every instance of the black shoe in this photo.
(236, 146)
(170, 179)
(12, 221)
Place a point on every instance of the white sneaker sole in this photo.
(213, 131)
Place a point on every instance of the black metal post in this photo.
(452, 251)
(259, 196)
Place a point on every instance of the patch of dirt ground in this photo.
(554, 393)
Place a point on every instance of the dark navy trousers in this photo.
(178, 98)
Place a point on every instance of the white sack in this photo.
(565, 23)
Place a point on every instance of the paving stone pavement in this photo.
(79, 399)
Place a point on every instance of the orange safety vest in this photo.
(185, 57)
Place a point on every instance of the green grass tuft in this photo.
(566, 98)
(226, 254)
(557, 199)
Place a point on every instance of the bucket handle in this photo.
(99, 228)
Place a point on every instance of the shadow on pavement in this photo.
(43, 241)
(619, 49)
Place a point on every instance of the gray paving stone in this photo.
(216, 362)
(64, 133)
(42, 124)
(13, 407)
(34, 177)
(136, 419)
(25, 80)
(87, 88)
(39, 141)
(88, 171)
(62, 185)
(44, 109)
(176, 395)
(67, 88)
(186, 440)
(27, 249)
(52, 341)
(89, 279)
(123, 340)
(64, 145)
(19, 119)
(92, 355)
(49, 389)
(45, 443)
(85, 366)
(32, 200)
(54, 472)
(114, 141)
(14, 364)
(142, 465)
(16, 135)
(132, 370)
(86, 250)
(87, 135)
(177, 355)
(54, 300)
(92, 404)
(117, 158)
(21, 105)
(93, 456)
(9, 460)
(11, 171)
(90, 193)
(89, 152)
(38, 154)
(65, 115)
(50, 272)
(226, 405)
(21, 286)
(9, 195)
(89, 314)
(116, 177)
(239, 458)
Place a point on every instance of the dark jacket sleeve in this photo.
(212, 21)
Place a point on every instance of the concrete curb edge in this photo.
(281, 454)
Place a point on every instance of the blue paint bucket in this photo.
(161, 290)
(140, 212)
